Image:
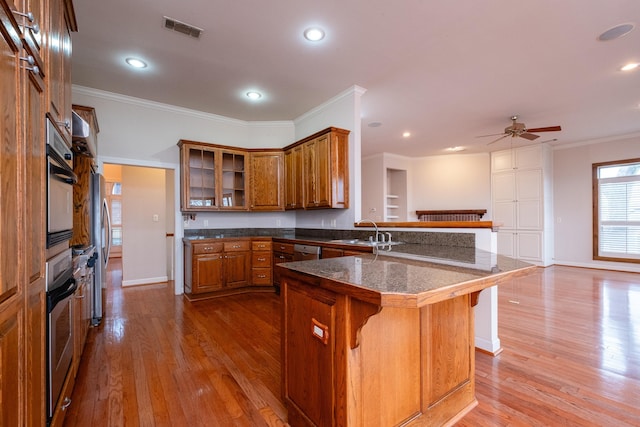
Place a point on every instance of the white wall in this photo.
(372, 191)
(573, 199)
(143, 242)
(461, 181)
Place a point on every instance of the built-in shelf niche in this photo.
(396, 196)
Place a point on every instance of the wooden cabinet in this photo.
(325, 169)
(282, 252)
(212, 178)
(61, 23)
(267, 180)
(216, 266)
(237, 263)
(22, 227)
(81, 320)
(83, 167)
(261, 259)
(293, 178)
(309, 319)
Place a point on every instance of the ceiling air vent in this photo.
(181, 27)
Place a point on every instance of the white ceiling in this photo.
(446, 71)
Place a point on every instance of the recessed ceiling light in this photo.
(136, 63)
(455, 149)
(314, 34)
(616, 32)
(406, 134)
(630, 66)
(374, 124)
(254, 95)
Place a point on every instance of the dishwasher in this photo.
(305, 252)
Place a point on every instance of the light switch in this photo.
(156, 218)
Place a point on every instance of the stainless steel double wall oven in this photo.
(61, 284)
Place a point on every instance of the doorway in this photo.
(141, 205)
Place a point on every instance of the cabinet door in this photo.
(293, 178)
(332, 253)
(198, 178)
(35, 346)
(11, 365)
(10, 137)
(267, 175)
(323, 173)
(310, 173)
(237, 268)
(207, 273)
(234, 180)
(59, 54)
(35, 176)
(310, 330)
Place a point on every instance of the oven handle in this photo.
(61, 293)
(62, 174)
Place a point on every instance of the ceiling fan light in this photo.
(616, 32)
(630, 66)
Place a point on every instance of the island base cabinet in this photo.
(347, 362)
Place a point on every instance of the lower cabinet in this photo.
(219, 266)
(282, 252)
(261, 259)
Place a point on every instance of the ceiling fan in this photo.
(519, 130)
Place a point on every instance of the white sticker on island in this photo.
(317, 330)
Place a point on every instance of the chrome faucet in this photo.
(377, 236)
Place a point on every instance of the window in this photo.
(616, 211)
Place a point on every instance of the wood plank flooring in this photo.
(571, 340)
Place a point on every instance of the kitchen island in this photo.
(384, 339)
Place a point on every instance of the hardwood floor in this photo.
(571, 340)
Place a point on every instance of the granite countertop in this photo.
(411, 275)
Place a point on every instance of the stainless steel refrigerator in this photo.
(101, 239)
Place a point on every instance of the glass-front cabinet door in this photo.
(202, 178)
(234, 180)
(212, 178)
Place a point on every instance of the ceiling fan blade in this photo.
(496, 140)
(491, 134)
(547, 129)
(529, 136)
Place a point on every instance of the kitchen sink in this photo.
(363, 242)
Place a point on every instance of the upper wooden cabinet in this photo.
(61, 22)
(293, 177)
(267, 174)
(325, 170)
(212, 177)
(312, 173)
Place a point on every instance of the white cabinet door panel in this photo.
(503, 187)
(529, 184)
(529, 215)
(529, 246)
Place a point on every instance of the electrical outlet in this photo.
(156, 218)
(206, 222)
(278, 222)
(334, 223)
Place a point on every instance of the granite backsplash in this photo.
(464, 240)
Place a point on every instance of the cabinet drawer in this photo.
(286, 248)
(261, 245)
(237, 246)
(207, 248)
(261, 259)
(261, 276)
